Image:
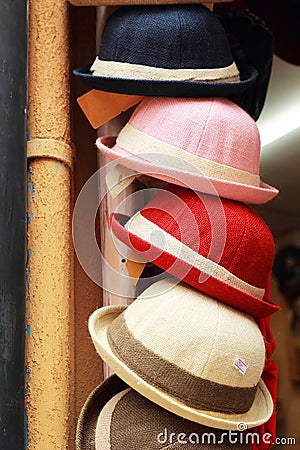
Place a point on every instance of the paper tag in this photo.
(118, 178)
(240, 365)
(99, 107)
(135, 270)
(209, 5)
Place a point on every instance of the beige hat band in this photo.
(139, 143)
(104, 423)
(192, 390)
(102, 68)
(144, 228)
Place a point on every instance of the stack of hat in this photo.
(116, 417)
(193, 349)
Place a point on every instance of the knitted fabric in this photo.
(172, 37)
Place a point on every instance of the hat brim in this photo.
(259, 413)
(196, 181)
(167, 88)
(86, 424)
(216, 288)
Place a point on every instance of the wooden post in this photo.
(109, 204)
(108, 248)
(87, 295)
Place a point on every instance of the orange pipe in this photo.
(50, 339)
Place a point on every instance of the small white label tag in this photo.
(240, 365)
(118, 179)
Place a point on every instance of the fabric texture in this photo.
(116, 417)
(165, 37)
(104, 433)
(209, 145)
(139, 71)
(198, 392)
(87, 421)
(174, 325)
(251, 41)
(270, 377)
(227, 234)
(139, 424)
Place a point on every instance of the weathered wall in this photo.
(88, 296)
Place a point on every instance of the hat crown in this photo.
(166, 36)
(248, 252)
(212, 128)
(199, 335)
(130, 421)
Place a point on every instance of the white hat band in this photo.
(117, 69)
(140, 143)
(144, 228)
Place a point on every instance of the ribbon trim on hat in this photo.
(115, 69)
(144, 228)
(103, 427)
(140, 143)
(193, 391)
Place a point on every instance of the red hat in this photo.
(219, 246)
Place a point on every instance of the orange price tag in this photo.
(99, 107)
(209, 5)
(135, 270)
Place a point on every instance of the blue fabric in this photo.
(167, 36)
(172, 37)
(166, 88)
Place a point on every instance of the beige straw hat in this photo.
(116, 417)
(188, 353)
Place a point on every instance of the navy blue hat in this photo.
(166, 50)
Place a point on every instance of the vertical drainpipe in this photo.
(49, 312)
(13, 51)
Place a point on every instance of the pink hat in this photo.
(210, 145)
(220, 247)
